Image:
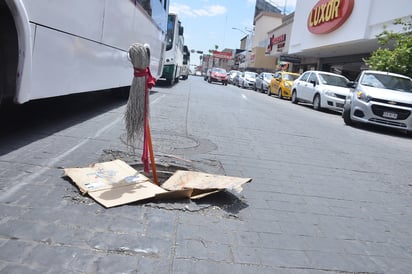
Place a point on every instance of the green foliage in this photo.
(396, 53)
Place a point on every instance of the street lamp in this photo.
(241, 31)
(249, 37)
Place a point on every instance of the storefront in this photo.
(336, 35)
(278, 44)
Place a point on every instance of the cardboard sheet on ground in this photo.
(203, 184)
(116, 183)
(113, 183)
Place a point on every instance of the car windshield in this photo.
(387, 82)
(268, 76)
(219, 70)
(333, 80)
(250, 74)
(290, 77)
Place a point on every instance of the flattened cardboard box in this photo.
(202, 183)
(113, 183)
(116, 183)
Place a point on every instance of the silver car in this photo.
(380, 98)
(232, 75)
(263, 81)
(247, 80)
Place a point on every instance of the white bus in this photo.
(173, 63)
(53, 48)
(186, 63)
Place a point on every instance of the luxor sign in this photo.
(328, 15)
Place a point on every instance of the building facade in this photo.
(258, 59)
(336, 35)
(277, 45)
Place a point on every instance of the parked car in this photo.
(247, 80)
(235, 80)
(321, 89)
(262, 81)
(206, 76)
(218, 75)
(232, 75)
(380, 98)
(282, 83)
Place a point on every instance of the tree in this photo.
(396, 56)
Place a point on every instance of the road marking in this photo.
(28, 179)
(157, 99)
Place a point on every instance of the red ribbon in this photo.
(150, 82)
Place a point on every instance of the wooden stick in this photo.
(152, 160)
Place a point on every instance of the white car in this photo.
(321, 89)
(380, 98)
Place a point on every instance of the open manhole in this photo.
(222, 202)
(163, 171)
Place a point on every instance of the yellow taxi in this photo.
(281, 84)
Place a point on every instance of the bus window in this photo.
(186, 55)
(170, 31)
(146, 6)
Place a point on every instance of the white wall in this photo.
(262, 26)
(367, 20)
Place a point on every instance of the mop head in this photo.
(137, 104)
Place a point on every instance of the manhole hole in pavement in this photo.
(222, 203)
(166, 165)
(163, 172)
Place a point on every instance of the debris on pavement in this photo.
(115, 183)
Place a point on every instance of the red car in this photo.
(218, 75)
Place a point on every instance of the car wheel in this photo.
(316, 102)
(294, 99)
(346, 115)
(280, 93)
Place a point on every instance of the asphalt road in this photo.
(325, 197)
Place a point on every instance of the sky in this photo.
(210, 22)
